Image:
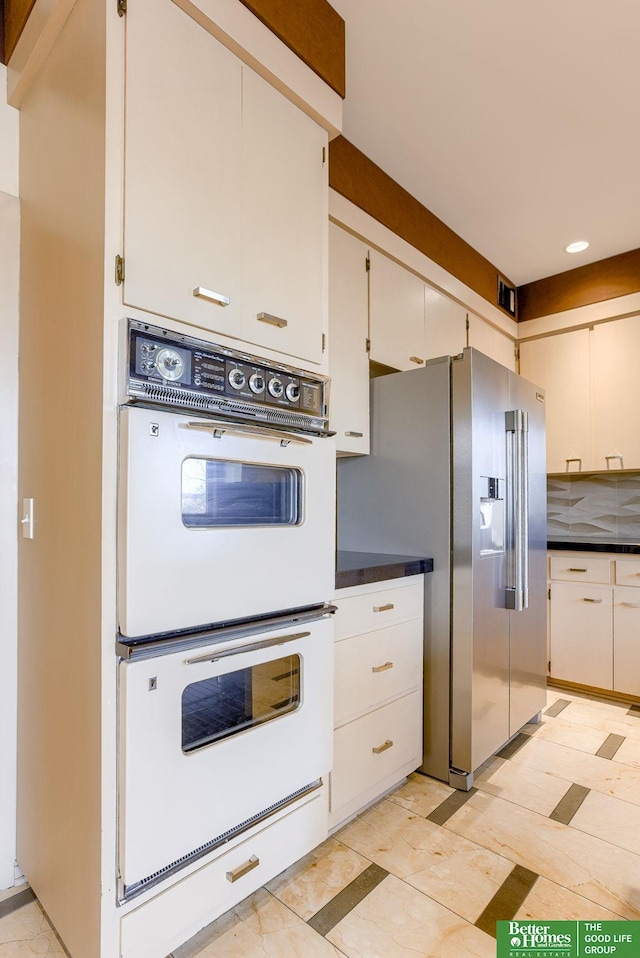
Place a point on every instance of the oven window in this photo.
(215, 708)
(216, 492)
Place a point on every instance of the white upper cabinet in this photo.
(284, 222)
(561, 365)
(445, 325)
(226, 191)
(348, 330)
(182, 169)
(616, 394)
(491, 342)
(396, 316)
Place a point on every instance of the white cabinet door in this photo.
(284, 222)
(491, 342)
(182, 169)
(616, 394)
(561, 365)
(396, 314)
(445, 325)
(582, 634)
(348, 331)
(626, 644)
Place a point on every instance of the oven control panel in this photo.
(184, 372)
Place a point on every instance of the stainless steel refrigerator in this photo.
(457, 472)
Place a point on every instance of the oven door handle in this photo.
(219, 428)
(247, 647)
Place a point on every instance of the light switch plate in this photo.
(27, 518)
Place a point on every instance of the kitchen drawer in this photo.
(378, 608)
(628, 572)
(626, 641)
(162, 924)
(363, 755)
(376, 666)
(581, 568)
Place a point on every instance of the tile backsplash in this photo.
(594, 506)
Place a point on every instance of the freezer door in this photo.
(480, 621)
(528, 628)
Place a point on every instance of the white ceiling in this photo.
(517, 122)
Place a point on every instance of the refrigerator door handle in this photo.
(517, 566)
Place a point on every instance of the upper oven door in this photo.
(220, 523)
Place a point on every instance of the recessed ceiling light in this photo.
(576, 247)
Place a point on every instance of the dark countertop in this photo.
(360, 568)
(621, 546)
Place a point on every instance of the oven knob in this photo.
(256, 383)
(148, 365)
(147, 348)
(293, 392)
(237, 379)
(197, 380)
(276, 388)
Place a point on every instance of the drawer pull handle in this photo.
(631, 605)
(354, 435)
(272, 320)
(597, 601)
(389, 665)
(608, 459)
(218, 298)
(577, 570)
(569, 461)
(383, 608)
(416, 359)
(242, 870)
(382, 748)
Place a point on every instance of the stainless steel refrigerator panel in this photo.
(528, 662)
(480, 621)
(397, 499)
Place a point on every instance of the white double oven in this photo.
(225, 566)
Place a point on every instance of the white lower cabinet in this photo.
(378, 692)
(626, 626)
(595, 621)
(582, 634)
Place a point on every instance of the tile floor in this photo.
(551, 830)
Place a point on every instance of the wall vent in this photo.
(507, 296)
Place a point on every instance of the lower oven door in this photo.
(219, 522)
(215, 738)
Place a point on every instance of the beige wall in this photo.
(9, 271)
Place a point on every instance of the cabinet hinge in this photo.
(122, 7)
(367, 263)
(549, 666)
(119, 270)
(466, 324)
(516, 350)
(324, 342)
(368, 345)
(549, 593)
(324, 155)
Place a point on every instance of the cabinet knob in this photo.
(241, 870)
(272, 320)
(218, 298)
(382, 748)
(389, 665)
